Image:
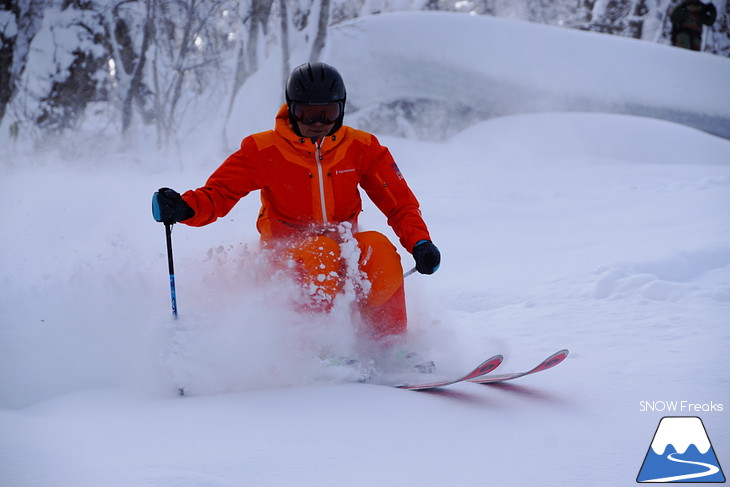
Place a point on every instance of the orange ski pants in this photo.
(382, 306)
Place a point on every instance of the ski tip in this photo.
(482, 369)
(556, 358)
(488, 365)
(546, 364)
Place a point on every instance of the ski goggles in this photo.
(326, 113)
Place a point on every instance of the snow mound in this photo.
(450, 70)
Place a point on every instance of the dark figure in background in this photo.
(687, 21)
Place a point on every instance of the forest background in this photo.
(154, 72)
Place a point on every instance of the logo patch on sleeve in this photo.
(397, 171)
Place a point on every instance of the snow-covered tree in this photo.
(155, 63)
(20, 21)
(64, 70)
(187, 56)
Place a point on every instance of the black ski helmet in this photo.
(315, 83)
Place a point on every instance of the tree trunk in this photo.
(15, 49)
(321, 37)
(247, 58)
(135, 83)
(284, 23)
(7, 88)
(180, 69)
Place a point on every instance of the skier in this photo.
(687, 21)
(308, 170)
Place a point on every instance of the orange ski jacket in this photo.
(307, 188)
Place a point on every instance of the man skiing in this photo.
(308, 169)
(687, 21)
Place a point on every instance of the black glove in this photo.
(169, 207)
(427, 256)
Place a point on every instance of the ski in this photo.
(484, 368)
(546, 364)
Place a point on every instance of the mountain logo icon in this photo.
(681, 452)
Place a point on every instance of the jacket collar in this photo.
(283, 128)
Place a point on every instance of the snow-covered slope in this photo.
(605, 234)
(495, 67)
(418, 66)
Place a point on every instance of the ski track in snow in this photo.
(711, 470)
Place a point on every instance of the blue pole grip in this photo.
(156, 208)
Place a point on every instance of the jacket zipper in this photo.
(320, 174)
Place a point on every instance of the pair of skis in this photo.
(480, 373)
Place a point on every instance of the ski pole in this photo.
(409, 273)
(171, 267)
